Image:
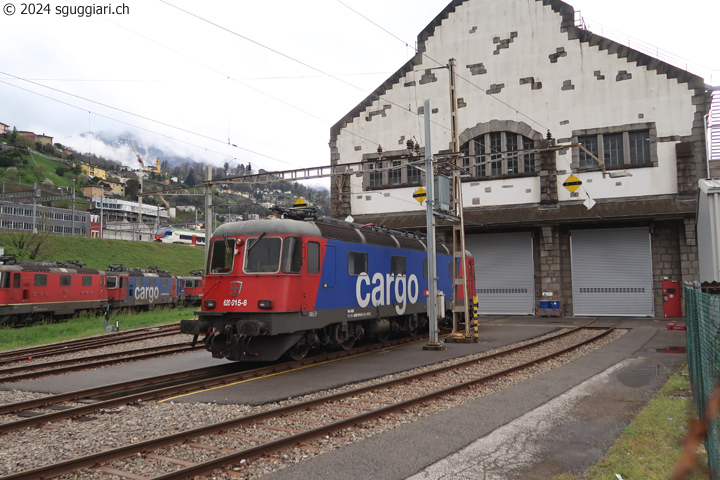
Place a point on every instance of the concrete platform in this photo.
(560, 422)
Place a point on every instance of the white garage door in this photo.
(612, 272)
(504, 273)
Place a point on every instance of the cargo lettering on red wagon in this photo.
(380, 290)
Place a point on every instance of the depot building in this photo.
(579, 157)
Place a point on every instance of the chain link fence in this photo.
(702, 316)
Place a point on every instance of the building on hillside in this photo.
(531, 86)
(92, 171)
(19, 217)
(115, 210)
(116, 188)
(94, 191)
(5, 128)
(33, 137)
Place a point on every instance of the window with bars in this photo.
(499, 154)
(393, 172)
(615, 149)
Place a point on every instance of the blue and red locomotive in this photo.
(31, 291)
(285, 286)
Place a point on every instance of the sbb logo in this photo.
(147, 293)
(380, 291)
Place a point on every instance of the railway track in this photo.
(37, 370)
(85, 344)
(155, 388)
(232, 444)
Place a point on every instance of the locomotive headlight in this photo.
(209, 304)
(266, 304)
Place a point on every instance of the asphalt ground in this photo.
(560, 422)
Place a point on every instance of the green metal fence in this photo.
(702, 315)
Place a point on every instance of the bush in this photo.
(60, 171)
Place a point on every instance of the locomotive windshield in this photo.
(222, 255)
(263, 255)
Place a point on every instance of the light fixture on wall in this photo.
(619, 173)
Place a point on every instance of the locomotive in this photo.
(190, 289)
(31, 291)
(277, 287)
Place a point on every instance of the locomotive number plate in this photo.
(235, 303)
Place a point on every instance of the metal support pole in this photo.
(35, 197)
(72, 225)
(140, 204)
(208, 212)
(433, 340)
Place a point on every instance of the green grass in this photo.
(99, 253)
(49, 170)
(651, 445)
(86, 326)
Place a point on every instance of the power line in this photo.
(134, 115)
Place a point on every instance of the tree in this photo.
(12, 138)
(34, 246)
(39, 172)
(131, 188)
(60, 171)
(190, 180)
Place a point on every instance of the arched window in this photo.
(499, 154)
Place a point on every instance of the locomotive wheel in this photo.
(299, 350)
(383, 337)
(348, 344)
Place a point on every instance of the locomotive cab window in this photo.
(313, 257)
(357, 263)
(398, 265)
(292, 255)
(5, 280)
(262, 254)
(112, 282)
(223, 253)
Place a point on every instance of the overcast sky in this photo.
(270, 77)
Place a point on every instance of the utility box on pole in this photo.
(708, 229)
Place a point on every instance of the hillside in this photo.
(55, 172)
(99, 253)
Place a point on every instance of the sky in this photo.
(257, 82)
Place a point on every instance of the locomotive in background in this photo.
(277, 287)
(32, 291)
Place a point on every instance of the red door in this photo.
(671, 298)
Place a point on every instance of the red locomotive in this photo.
(31, 291)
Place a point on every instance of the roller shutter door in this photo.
(504, 273)
(612, 272)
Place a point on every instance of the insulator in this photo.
(409, 144)
(379, 150)
(417, 148)
(549, 135)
